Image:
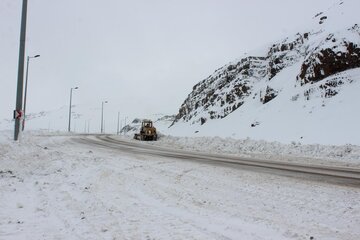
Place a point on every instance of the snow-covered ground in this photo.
(54, 188)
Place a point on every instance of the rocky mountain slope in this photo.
(312, 62)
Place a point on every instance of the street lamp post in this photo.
(121, 123)
(26, 84)
(20, 82)
(126, 128)
(69, 126)
(102, 116)
(118, 124)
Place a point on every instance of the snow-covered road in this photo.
(52, 187)
(326, 173)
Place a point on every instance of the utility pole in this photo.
(121, 126)
(102, 116)
(125, 130)
(20, 80)
(69, 126)
(118, 124)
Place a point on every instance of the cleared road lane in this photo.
(331, 174)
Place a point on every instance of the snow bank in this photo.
(345, 155)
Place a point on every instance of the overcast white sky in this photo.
(142, 56)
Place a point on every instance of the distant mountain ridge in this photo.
(331, 46)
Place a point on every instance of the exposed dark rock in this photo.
(308, 93)
(318, 14)
(202, 120)
(230, 98)
(306, 35)
(269, 95)
(254, 124)
(236, 106)
(327, 62)
(212, 114)
(231, 67)
(322, 19)
(330, 88)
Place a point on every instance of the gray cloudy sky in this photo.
(142, 56)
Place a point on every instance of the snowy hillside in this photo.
(302, 88)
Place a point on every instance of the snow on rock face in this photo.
(285, 53)
(224, 91)
(329, 46)
(336, 53)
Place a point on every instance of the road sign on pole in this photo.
(18, 114)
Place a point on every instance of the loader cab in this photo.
(147, 124)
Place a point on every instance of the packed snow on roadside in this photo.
(343, 155)
(53, 187)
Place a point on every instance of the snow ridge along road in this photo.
(337, 175)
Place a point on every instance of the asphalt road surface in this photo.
(330, 174)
